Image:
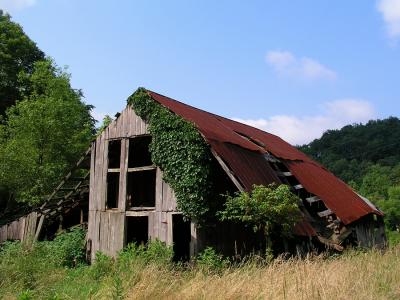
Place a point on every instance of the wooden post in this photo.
(39, 228)
(193, 240)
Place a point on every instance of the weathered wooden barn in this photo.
(123, 198)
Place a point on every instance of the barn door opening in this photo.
(181, 237)
(137, 229)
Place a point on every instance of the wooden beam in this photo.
(138, 169)
(139, 208)
(298, 187)
(283, 174)
(228, 172)
(137, 213)
(39, 228)
(325, 213)
(271, 158)
(313, 199)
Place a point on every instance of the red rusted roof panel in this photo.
(230, 138)
(249, 167)
(336, 195)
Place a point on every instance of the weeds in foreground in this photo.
(48, 271)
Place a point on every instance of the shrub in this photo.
(209, 259)
(103, 266)
(68, 248)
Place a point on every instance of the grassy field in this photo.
(48, 271)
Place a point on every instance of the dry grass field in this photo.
(369, 275)
(148, 274)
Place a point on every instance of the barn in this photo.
(123, 196)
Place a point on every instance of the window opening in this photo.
(114, 154)
(139, 154)
(112, 190)
(141, 188)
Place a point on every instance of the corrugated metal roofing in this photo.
(242, 148)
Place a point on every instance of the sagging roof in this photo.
(243, 149)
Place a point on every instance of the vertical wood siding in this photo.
(106, 228)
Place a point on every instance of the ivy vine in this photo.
(181, 153)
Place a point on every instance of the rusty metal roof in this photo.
(243, 147)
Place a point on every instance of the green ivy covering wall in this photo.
(182, 154)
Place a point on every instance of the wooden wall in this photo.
(21, 229)
(106, 228)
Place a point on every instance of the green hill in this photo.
(350, 151)
(368, 158)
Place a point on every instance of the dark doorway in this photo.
(137, 230)
(181, 236)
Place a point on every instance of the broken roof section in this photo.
(243, 149)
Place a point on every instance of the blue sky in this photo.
(294, 68)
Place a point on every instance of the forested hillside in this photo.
(368, 158)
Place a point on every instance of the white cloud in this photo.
(13, 5)
(301, 130)
(285, 63)
(99, 116)
(390, 10)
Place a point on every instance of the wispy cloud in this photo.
(390, 10)
(99, 116)
(285, 63)
(14, 5)
(301, 130)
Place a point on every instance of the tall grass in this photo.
(48, 271)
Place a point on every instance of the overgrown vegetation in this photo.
(181, 152)
(266, 208)
(46, 271)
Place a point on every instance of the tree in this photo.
(44, 134)
(106, 121)
(266, 208)
(391, 208)
(376, 182)
(18, 54)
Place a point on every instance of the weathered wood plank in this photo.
(313, 199)
(298, 186)
(170, 238)
(103, 183)
(151, 226)
(130, 213)
(92, 183)
(159, 190)
(117, 232)
(139, 169)
(325, 213)
(39, 228)
(97, 172)
(104, 231)
(123, 174)
(193, 239)
(169, 200)
(3, 233)
(163, 227)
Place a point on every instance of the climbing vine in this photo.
(181, 152)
